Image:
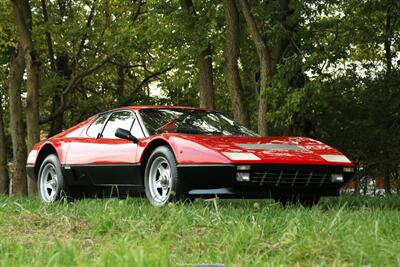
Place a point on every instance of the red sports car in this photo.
(173, 153)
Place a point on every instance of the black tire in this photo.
(298, 200)
(162, 155)
(59, 191)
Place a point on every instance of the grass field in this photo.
(346, 231)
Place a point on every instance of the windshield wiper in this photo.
(179, 130)
(214, 132)
(187, 130)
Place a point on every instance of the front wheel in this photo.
(161, 178)
(51, 187)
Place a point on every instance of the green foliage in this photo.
(382, 117)
(349, 98)
(7, 33)
(333, 81)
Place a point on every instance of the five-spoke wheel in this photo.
(160, 180)
(161, 177)
(48, 183)
(50, 180)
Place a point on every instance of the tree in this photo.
(23, 23)
(324, 69)
(83, 61)
(230, 63)
(65, 65)
(7, 45)
(18, 179)
(269, 57)
(4, 181)
(204, 64)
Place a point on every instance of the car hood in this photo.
(270, 150)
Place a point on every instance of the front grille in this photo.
(291, 177)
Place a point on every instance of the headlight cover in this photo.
(241, 156)
(336, 158)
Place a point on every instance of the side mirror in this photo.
(125, 134)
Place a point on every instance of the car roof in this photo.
(159, 107)
(148, 107)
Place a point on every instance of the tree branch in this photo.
(77, 78)
(71, 85)
(132, 95)
(127, 65)
(137, 12)
(261, 46)
(83, 40)
(48, 36)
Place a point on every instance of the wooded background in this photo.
(328, 70)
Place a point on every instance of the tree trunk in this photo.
(357, 186)
(4, 181)
(386, 180)
(204, 63)
(230, 60)
(186, 4)
(18, 179)
(388, 39)
(265, 71)
(50, 49)
(120, 84)
(268, 59)
(62, 68)
(263, 103)
(57, 122)
(23, 21)
(206, 89)
(365, 181)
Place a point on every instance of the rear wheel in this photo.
(51, 187)
(161, 178)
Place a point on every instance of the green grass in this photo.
(346, 231)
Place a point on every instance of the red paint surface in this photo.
(73, 146)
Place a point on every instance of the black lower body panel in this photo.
(265, 181)
(30, 170)
(112, 180)
(264, 192)
(206, 176)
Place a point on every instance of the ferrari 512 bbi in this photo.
(174, 153)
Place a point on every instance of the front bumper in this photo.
(266, 180)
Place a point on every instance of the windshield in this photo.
(192, 121)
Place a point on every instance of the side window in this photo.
(120, 119)
(96, 126)
(137, 130)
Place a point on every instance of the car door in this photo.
(104, 158)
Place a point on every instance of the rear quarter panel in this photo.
(60, 145)
(59, 142)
